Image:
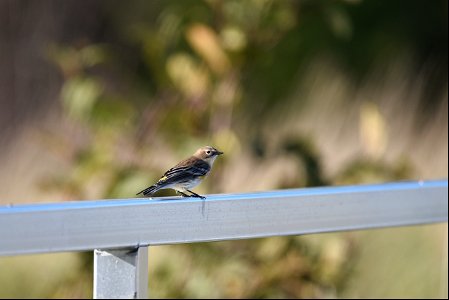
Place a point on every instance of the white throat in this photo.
(211, 160)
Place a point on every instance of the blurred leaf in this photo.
(373, 130)
(188, 76)
(79, 95)
(207, 44)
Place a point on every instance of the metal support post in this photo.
(121, 273)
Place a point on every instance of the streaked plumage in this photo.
(187, 174)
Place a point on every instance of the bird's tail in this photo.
(150, 190)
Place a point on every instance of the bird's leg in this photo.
(182, 194)
(195, 194)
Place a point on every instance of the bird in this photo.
(186, 174)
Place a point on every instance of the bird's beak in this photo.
(219, 152)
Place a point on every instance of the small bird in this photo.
(187, 174)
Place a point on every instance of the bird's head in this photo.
(208, 153)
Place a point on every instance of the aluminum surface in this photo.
(109, 224)
(121, 274)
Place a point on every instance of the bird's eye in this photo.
(208, 152)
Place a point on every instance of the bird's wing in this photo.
(185, 170)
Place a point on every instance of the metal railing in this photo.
(120, 231)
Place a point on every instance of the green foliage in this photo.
(263, 268)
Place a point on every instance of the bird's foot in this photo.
(183, 195)
(196, 195)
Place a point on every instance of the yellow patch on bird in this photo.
(162, 179)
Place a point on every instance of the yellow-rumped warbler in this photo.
(187, 174)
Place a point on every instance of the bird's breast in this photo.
(190, 183)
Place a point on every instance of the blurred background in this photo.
(99, 98)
